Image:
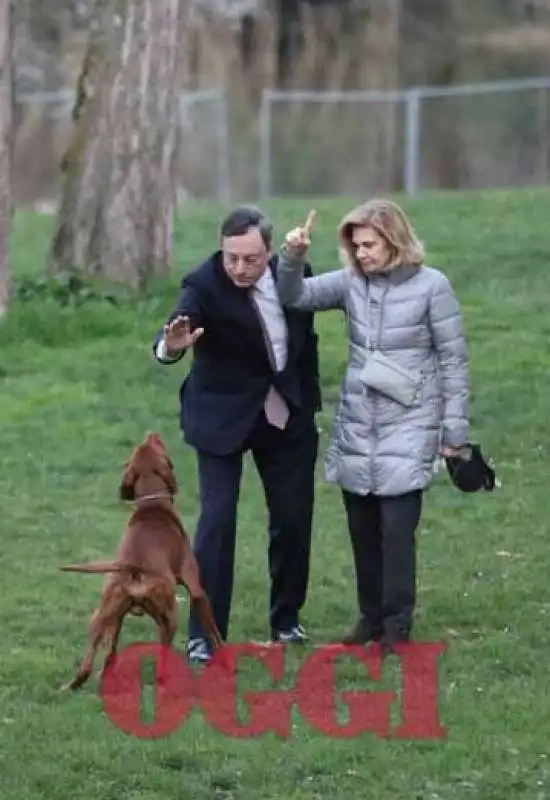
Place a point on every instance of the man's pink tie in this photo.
(276, 410)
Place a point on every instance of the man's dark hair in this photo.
(241, 219)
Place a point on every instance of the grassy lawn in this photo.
(78, 388)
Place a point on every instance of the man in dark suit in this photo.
(253, 386)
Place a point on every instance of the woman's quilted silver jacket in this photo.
(412, 315)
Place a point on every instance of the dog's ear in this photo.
(128, 482)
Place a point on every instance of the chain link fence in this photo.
(467, 136)
(42, 130)
(323, 143)
(205, 148)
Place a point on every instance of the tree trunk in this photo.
(116, 211)
(6, 142)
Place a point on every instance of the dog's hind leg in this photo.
(106, 619)
(204, 612)
(97, 633)
(199, 600)
(115, 636)
(189, 578)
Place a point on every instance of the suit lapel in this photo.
(240, 306)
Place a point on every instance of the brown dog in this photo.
(153, 557)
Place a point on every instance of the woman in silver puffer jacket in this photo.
(404, 397)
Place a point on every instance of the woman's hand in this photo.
(451, 452)
(297, 241)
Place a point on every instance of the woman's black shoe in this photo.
(362, 633)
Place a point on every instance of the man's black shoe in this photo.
(295, 635)
(198, 651)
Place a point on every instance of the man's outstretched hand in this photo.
(178, 335)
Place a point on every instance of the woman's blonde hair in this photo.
(390, 222)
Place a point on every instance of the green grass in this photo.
(79, 388)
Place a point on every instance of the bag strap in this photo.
(368, 340)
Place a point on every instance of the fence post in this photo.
(411, 162)
(224, 157)
(265, 145)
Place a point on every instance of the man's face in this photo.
(245, 257)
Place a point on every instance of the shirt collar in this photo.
(263, 284)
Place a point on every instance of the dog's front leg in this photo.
(168, 625)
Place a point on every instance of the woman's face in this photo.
(372, 252)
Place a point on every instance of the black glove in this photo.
(469, 471)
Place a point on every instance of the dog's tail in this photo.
(99, 567)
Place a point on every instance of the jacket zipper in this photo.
(373, 399)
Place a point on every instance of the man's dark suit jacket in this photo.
(226, 386)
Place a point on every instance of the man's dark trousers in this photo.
(285, 461)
